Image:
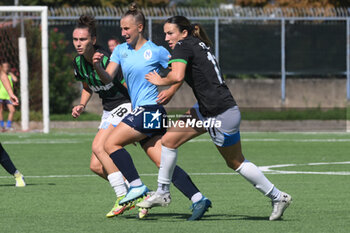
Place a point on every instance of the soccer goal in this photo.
(14, 48)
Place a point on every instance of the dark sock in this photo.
(183, 182)
(6, 161)
(124, 163)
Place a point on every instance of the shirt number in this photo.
(216, 68)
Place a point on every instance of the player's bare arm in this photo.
(85, 97)
(105, 75)
(176, 75)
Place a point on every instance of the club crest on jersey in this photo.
(147, 54)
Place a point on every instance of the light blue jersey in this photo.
(135, 65)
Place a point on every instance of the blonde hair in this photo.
(137, 14)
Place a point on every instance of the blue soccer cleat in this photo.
(199, 208)
(134, 193)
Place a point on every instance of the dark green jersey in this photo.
(112, 94)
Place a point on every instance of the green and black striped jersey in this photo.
(112, 94)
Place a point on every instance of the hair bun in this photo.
(133, 6)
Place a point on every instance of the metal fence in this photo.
(264, 41)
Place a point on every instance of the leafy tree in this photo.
(62, 88)
(62, 92)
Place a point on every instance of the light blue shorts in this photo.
(226, 130)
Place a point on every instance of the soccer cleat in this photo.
(119, 209)
(134, 193)
(142, 213)
(155, 199)
(278, 207)
(199, 208)
(19, 180)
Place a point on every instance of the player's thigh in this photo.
(121, 136)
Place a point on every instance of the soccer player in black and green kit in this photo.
(192, 60)
(115, 101)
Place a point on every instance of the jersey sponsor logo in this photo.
(124, 55)
(147, 54)
(101, 88)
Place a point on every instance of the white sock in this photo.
(117, 182)
(167, 165)
(163, 188)
(136, 182)
(196, 197)
(275, 194)
(253, 174)
(127, 184)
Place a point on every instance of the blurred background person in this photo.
(5, 98)
(5, 160)
(112, 43)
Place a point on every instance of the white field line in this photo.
(280, 140)
(265, 169)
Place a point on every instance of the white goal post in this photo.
(24, 66)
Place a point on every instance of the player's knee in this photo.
(97, 149)
(110, 147)
(169, 142)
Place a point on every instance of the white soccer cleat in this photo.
(278, 207)
(155, 199)
(19, 180)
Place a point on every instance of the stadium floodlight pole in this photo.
(44, 54)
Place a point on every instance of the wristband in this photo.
(81, 105)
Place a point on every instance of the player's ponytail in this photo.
(199, 32)
(195, 30)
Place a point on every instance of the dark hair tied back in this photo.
(89, 22)
(195, 30)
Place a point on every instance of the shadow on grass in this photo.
(13, 185)
(170, 217)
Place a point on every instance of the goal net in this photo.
(24, 45)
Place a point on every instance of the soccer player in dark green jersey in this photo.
(115, 101)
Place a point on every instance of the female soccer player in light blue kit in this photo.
(137, 57)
